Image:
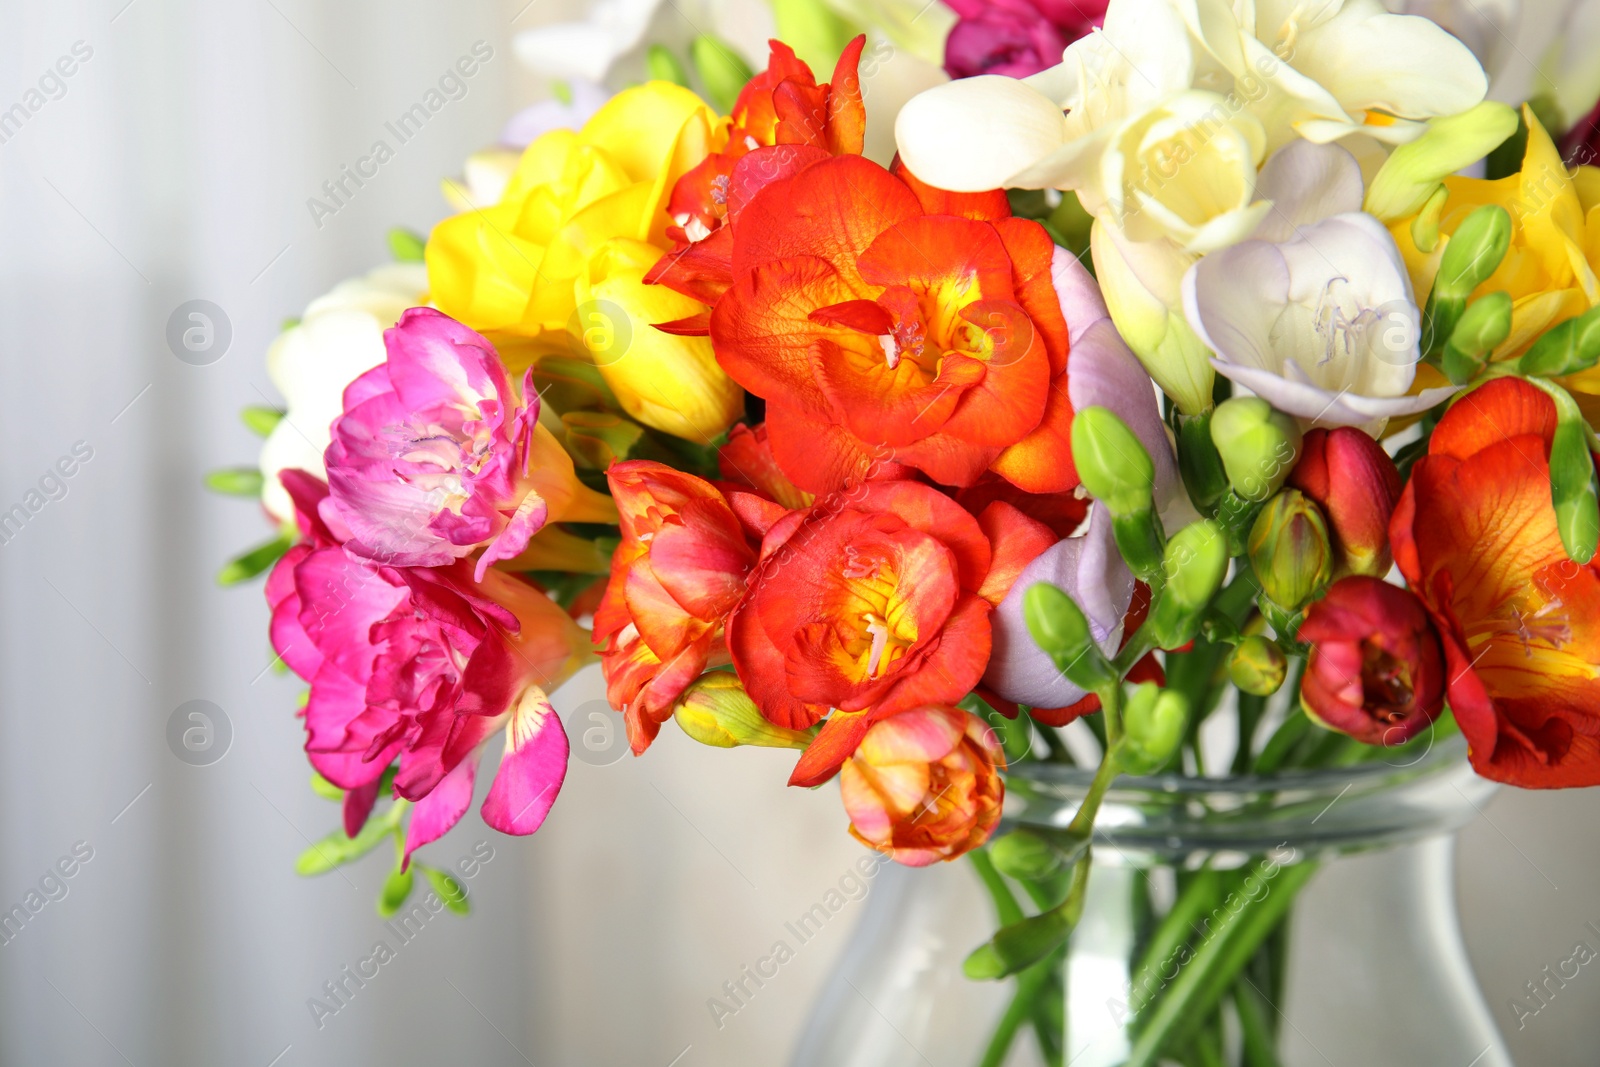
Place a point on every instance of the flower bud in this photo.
(1025, 854)
(1112, 462)
(1566, 349)
(1257, 666)
(1414, 171)
(1153, 725)
(1142, 285)
(1290, 551)
(716, 711)
(1376, 670)
(1472, 255)
(923, 785)
(1355, 483)
(1059, 628)
(1483, 327)
(1195, 563)
(1204, 476)
(1258, 445)
(721, 69)
(1574, 489)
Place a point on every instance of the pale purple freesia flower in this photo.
(1316, 313)
(436, 456)
(536, 120)
(1087, 568)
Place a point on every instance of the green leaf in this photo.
(396, 888)
(448, 889)
(405, 246)
(336, 849)
(260, 420)
(235, 481)
(243, 568)
(324, 788)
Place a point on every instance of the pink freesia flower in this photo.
(1016, 38)
(422, 665)
(436, 456)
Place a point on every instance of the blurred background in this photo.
(176, 165)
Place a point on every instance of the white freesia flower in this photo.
(1316, 314)
(339, 338)
(1321, 71)
(1488, 27)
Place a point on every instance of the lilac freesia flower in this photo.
(1016, 38)
(1087, 568)
(1316, 313)
(436, 456)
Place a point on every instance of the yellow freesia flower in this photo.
(527, 269)
(1549, 270)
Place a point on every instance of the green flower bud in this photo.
(238, 481)
(261, 421)
(1258, 445)
(1413, 172)
(1571, 347)
(716, 711)
(1290, 550)
(662, 65)
(1483, 327)
(1258, 666)
(1112, 462)
(1060, 629)
(1153, 724)
(1425, 227)
(1024, 854)
(723, 71)
(1195, 563)
(1198, 461)
(1473, 254)
(814, 30)
(1574, 490)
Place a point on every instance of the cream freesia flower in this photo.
(339, 338)
(1320, 72)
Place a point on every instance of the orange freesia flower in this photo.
(782, 122)
(887, 323)
(1475, 536)
(680, 569)
(871, 602)
(923, 785)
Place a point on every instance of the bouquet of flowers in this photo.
(1191, 378)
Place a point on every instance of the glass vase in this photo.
(1191, 949)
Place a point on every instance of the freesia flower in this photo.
(1347, 67)
(422, 665)
(1317, 317)
(870, 602)
(540, 265)
(680, 569)
(922, 786)
(886, 323)
(1356, 484)
(1015, 37)
(339, 336)
(436, 456)
(1375, 670)
(487, 172)
(747, 461)
(1488, 27)
(1549, 269)
(1090, 570)
(1475, 536)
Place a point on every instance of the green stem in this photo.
(1029, 984)
(1082, 824)
(1215, 964)
(1256, 1031)
(1174, 931)
(1006, 908)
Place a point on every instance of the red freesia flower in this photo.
(680, 569)
(870, 602)
(1375, 671)
(1475, 536)
(1581, 145)
(1356, 484)
(890, 324)
(782, 121)
(923, 785)
(1016, 37)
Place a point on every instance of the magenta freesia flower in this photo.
(436, 455)
(422, 665)
(1016, 38)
